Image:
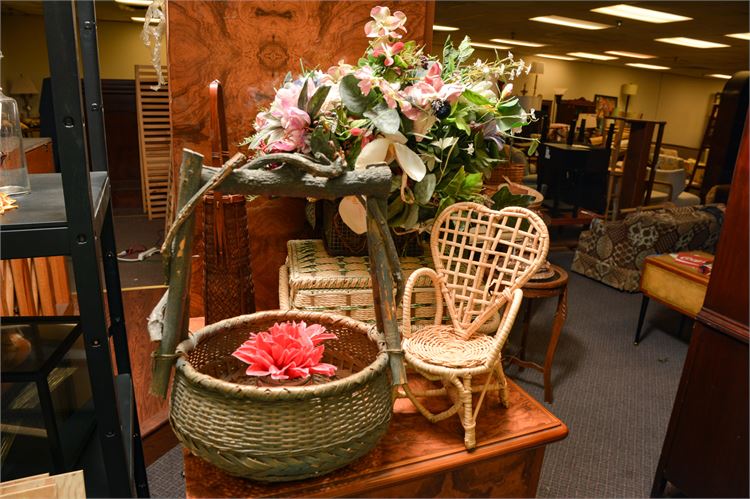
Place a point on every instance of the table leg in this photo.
(560, 315)
(644, 306)
(525, 332)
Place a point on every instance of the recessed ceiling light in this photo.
(489, 46)
(741, 36)
(598, 57)
(517, 42)
(554, 56)
(718, 75)
(143, 20)
(633, 55)
(646, 66)
(438, 27)
(570, 22)
(691, 42)
(136, 3)
(640, 14)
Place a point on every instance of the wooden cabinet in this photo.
(705, 452)
(39, 156)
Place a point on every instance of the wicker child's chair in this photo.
(482, 259)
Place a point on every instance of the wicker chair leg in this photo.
(504, 398)
(431, 417)
(467, 418)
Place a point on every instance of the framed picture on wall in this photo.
(604, 105)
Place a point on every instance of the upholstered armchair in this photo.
(482, 258)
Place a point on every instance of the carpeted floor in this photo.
(615, 398)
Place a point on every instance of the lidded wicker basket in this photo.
(281, 433)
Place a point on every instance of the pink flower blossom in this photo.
(366, 78)
(385, 25)
(430, 89)
(286, 351)
(356, 131)
(388, 51)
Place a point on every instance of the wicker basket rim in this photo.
(281, 393)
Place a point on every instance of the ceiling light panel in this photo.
(555, 56)
(489, 46)
(598, 57)
(438, 27)
(143, 20)
(570, 22)
(721, 76)
(691, 42)
(741, 36)
(135, 3)
(632, 55)
(517, 42)
(647, 66)
(640, 14)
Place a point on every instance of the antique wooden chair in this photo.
(482, 259)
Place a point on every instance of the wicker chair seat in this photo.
(443, 346)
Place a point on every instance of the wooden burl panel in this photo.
(249, 46)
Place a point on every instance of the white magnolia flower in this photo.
(381, 150)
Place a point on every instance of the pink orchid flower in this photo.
(286, 351)
(384, 24)
(366, 79)
(388, 51)
(430, 89)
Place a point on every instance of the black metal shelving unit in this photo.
(70, 213)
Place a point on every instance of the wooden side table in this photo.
(417, 458)
(557, 285)
(678, 286)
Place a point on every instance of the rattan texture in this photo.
(314, 280)
(482, 259)
(504, 169)
(228, 276)
(284, 433)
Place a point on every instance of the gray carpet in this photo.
(615, 398)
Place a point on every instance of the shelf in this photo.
(39, 227)
(124, 388)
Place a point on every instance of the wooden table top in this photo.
(413, 447)
(667, 262)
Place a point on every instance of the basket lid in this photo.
(311, 267)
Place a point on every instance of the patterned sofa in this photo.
(613, 252)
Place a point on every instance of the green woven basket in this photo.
(281, 433)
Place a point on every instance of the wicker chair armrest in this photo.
(506, 324)
(409, 288)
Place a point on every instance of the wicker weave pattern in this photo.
(479, 253)
(315, 281)
(311, 267)
(285, 433)
(482, 259)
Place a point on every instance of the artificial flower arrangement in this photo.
(286, 351)
(440, 124)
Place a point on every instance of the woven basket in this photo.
(228, 278)
(340, 240)
(514, 172)
(281, 433)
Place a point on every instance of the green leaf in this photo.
(533, 147)
(504, 198)
(475, 98)
(512, 102)
(302, 99)
(395, 208)
(317, 100)
(288, 77)
(395, 183)
(423, 189)
(320, 142)
(462, 125)
(464, 49)
(454, 186)
(409, 217)
(472, 183)
(384, 118)
(444, 203)
(352, 96)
